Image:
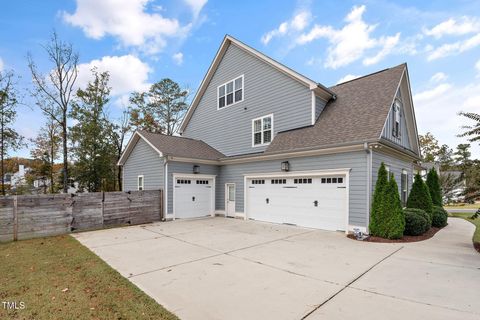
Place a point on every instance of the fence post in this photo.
(15, 218)
(161, 204)
(103, 209)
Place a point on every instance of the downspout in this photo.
(165, 188)
(369, 180)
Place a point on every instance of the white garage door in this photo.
(193, 197)
(315, 202)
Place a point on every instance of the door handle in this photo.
(315, 203)
(193, 198)
(267, 200)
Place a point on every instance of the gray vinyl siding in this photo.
(266, 91)
(396, 166)
(319, 106)
(143, 160)
(356, 161)
(387, 132)
(187, 168)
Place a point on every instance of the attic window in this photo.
(230, 93)
(396, 118)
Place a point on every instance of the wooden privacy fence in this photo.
(32, 216)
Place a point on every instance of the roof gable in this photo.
(166, 145)
(319, 89)
(357, 115)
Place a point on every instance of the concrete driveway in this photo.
(220, 268)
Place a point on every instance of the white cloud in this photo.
(388, 44)
(454, 48)
(128, 21)
(297, 23)
(346, 78)
(438, 77)
(477, 66)
(1, 64)
(196, 6)
(127, 73)
(462, 26)
(436, 111)
(178, 58)
(351, 42)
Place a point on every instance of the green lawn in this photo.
(476, 222)
(463, 206)
(58, 278)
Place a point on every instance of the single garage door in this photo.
(193, 197)
(315, 202)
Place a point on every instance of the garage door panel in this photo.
(304, 201)
(193, 197)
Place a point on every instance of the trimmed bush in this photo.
(416, 222)
(433, 185)
(393, 221)
(420, 197)
(440, 216)
(378, 200)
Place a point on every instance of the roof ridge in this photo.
(368, 75)
(167, 135)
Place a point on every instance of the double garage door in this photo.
(315, 202)
(193, 197)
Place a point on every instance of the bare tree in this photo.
(9, 137)
(54, 90)
(120, 131)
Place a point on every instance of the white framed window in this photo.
(262, 130)
(397, 113)
(387, 167)
(230, 93)
(140, 183)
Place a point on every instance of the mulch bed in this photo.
(476, 245)
(427, 235)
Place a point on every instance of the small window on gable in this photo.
(140, 183)
(397, 113)
(230, 93)
(262, 130)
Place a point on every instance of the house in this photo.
(261, 141)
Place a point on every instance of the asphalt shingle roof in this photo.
(182, 147)
(358, 114)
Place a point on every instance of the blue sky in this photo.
(141, 42)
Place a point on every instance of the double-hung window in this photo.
(262, 129)
(230, 93)
(397, 107)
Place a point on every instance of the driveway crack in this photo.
(350, 283)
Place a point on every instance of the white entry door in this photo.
(193, 197)
(230, 200)
(308, 201)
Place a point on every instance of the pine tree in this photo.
(433, 184)
(378, 200)
(393, 220)
(420, 196)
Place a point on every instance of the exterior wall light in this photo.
(285, 166)
(196, 169)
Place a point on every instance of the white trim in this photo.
(417, 143)
(143, 182)
(280, 67)
(262, 131)
(176, 175)
(131, 144)
(313, 108)
(234, 89)
(316, 173)
(369, 185)
(165, 206)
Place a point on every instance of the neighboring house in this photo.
(18, 178)
(261, 141)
